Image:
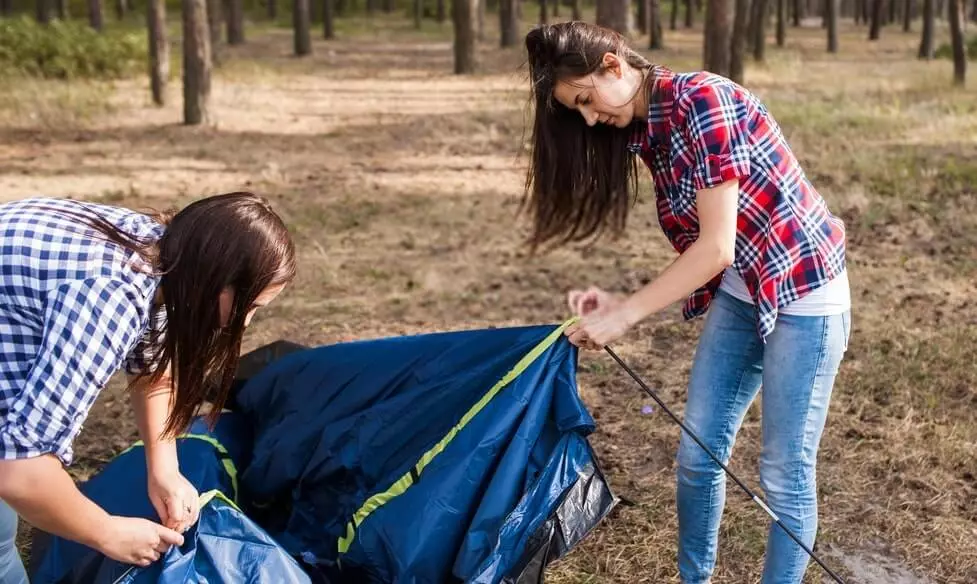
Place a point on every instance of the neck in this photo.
(644, 91)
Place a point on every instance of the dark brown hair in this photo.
(233, 240)
(581, 179)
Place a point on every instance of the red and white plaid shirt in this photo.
(702, 130)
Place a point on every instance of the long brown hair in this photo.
(233, 240)
(581, 179)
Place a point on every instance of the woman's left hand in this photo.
(175, 499)
(601, 327)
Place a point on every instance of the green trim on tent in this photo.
(229, 466)
(403, 483)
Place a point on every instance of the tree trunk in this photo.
(272, 10)
(798, 12)
(235, 22)
(781, 22)
(388, 6)
(716, 37)
(907, 15)
(43, 11)
(759, 30)
(689, 14)
(875, 28)
(543, 18)
(121, 9)
(95, 14)
(302, 25)
(973, 10)
(5, 7)
(641, 22)
(577, 10)
(956, 20)
(926, 40)
(482, 10)
(62, 7)
(675, 10)
(656, 29)
(441, 16)
(893, 5)
(463, 14)
(741, 20)
(832, 8)
(328, 27)
(508, 23)
(556, 8)
(615, 15)
(159, 50)
(215, 18)
(418, 13)
(196, 63)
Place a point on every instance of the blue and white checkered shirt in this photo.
(72, 312)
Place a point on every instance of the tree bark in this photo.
(615, 15)
(62, 6)
(641, 23)
(832, 8)
(196, 63)
(328, 18)
(159, 50)
(689, 14)
(215, 18)
(418, 13)
(781, 22)
(760, 30)
(543, 17)
(716, 37)
(675, 11)
(95, 14)
(656, 29)
(973, 10)
(235, 22)
(577, 10)
(463, 14)
(956, 20)
(926, 39)
(875, 28)
(798, 12)
(441, 16)
(907, 15)
(301, 23)
(737, 51)
(121, 9)
(43, 11)
(508, 23)
(482, 9)
(5, 7)
(272, 10)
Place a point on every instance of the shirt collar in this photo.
(655, 130)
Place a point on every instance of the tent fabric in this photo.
(224, 546)
(436, 458)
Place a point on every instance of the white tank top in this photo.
(831, 298)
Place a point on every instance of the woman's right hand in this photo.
(137, 541)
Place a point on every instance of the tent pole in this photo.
(746, 489)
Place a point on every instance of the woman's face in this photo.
(608, 96)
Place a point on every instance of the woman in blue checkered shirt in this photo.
(85, 290)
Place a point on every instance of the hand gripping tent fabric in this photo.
(437, 458)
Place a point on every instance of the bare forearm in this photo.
(43, 493)
(152, 408)
(695, 267)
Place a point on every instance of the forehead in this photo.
(568, 92)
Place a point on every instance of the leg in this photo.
(800, 363)
(11, 567)
(725, 379)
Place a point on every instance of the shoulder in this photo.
(702, 94)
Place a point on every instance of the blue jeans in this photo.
(11, 567)
(797, 368)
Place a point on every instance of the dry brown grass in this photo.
(401, 183)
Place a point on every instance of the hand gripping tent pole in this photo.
(746, 489)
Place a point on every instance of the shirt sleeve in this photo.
(89, 325)
(716, 122)
(143, 357)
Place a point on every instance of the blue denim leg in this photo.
(11, 567)
(725, 378)
(800, 363)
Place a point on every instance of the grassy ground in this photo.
(401, 183)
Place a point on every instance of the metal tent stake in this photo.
(746, 489)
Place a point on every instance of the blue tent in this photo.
(446, 457)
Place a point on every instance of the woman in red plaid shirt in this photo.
(757, 248)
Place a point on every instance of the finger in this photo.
(176, 511)
(169, 536)
(573, 299)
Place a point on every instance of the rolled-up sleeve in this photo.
(89, 326)
(715, 122)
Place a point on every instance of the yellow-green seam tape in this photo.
(404, 482)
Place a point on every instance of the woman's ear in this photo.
(611, 63)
